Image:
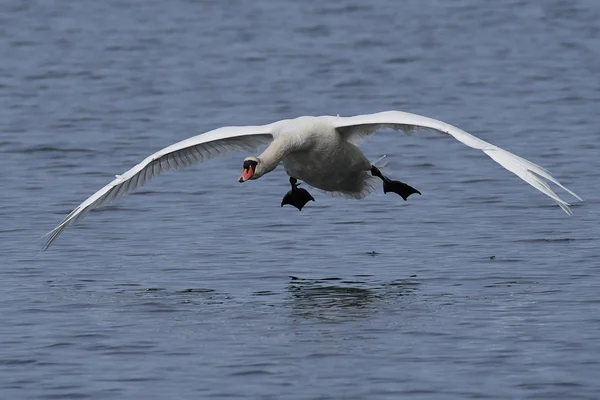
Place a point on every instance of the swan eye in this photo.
(250, 163)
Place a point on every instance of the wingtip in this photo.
(566, 209)
(48, 241)
(51, 236)
(575, 195)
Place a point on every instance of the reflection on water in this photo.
(334, 299)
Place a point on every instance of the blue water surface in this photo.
(198, 287)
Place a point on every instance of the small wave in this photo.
(264, 293)
(400, 60)
(353, 83)
(554, 240)
(251, 372)
(52, 149)
(196, 290)
(511, 283)
(17, 361)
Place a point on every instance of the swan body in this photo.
(324, 159)
(321, 151)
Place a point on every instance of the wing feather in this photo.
(177, 156)
(355, 129)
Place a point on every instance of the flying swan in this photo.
(320, 151)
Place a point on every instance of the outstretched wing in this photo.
(357, 128)
(183, 154)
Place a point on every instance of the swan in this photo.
(321, 151)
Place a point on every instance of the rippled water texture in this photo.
(198, 287)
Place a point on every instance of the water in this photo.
(197, 286)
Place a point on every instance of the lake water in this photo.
(198, 287)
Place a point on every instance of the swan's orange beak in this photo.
(246, 174)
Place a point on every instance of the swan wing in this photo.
(356, 128)
(183, 154)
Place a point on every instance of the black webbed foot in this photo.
(397, 187)
(296, 197)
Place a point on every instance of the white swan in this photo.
(321, 151)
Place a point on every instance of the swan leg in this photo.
(397, 187)
(296, 197)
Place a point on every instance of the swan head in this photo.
(252, 169)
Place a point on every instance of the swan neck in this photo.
(272, 156)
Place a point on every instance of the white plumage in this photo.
(318, 150)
